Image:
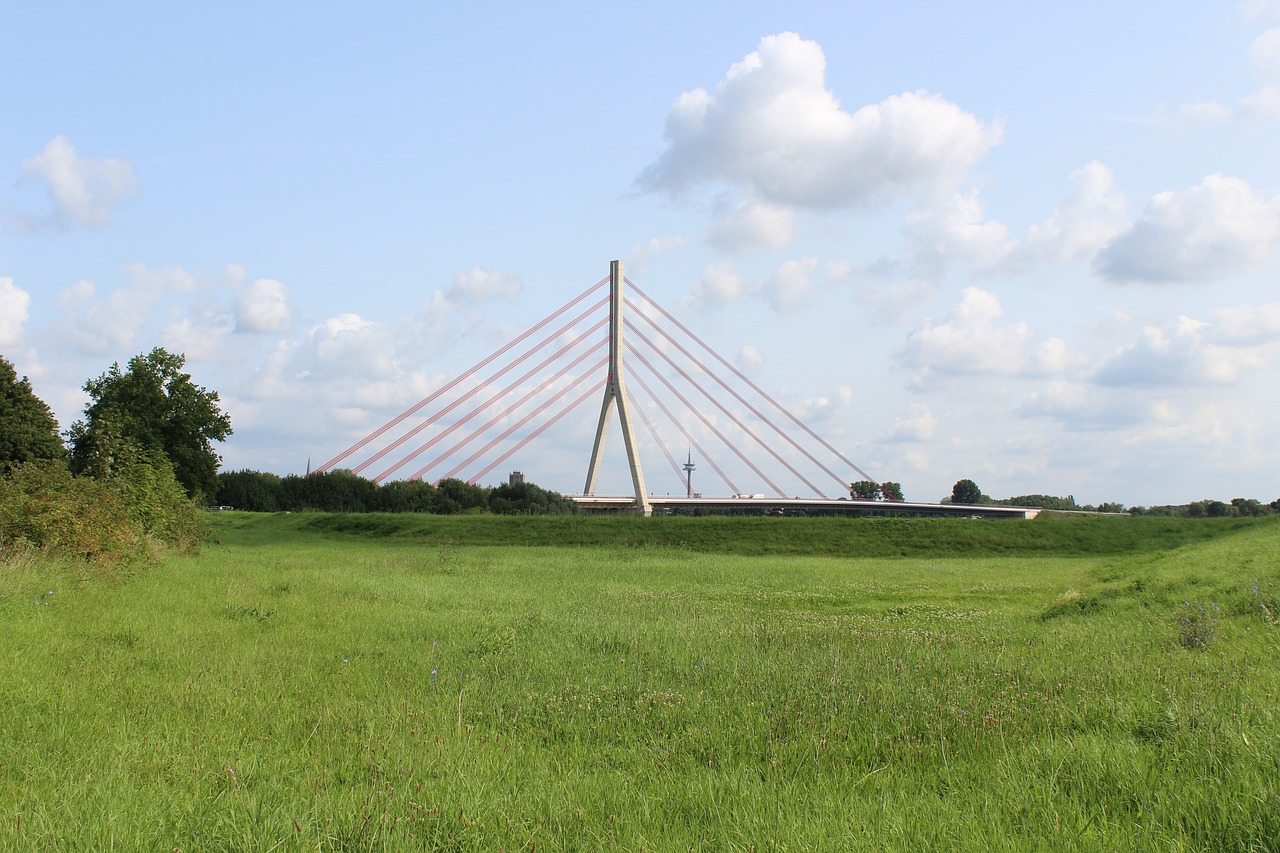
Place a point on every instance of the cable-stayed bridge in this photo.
(608, 343)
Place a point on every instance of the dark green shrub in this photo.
(42, 506)
(154, 500)
(138, 505)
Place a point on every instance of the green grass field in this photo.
(398, 683)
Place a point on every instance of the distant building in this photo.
(516, 478)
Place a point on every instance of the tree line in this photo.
(344, 491)
(966, 492)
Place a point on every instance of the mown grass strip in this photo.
(1047, 535)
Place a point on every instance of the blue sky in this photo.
(1029, 245)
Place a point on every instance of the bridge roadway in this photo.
(668, 505)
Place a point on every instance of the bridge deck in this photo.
(619, 504)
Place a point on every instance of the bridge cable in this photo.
(671, 460)
(520, 423)
(730, 415)
(591, 390)
(417, 406)
(706, 422)
(638, 311)
(507, 390)
(502, 414)
(753, 386)
(472, 392)
(684, 431)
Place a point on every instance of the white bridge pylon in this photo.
(487, 407)
(615, 394)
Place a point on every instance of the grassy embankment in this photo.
(392, 683)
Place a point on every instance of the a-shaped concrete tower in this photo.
(615, 391)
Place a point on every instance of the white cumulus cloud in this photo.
(155, 283)
(263, 306)
(200, 337)
(1217, 228)
(1253, 10)
(1244, 325)
(790, 286)
(1264, 104)
(754, 227)
(14, 302)
(1054, 357)
(644, 254)
(969, 340)
(719, 284)
(920, 424)
(349, 345)
(478, 285)
(1264, 52)
(82, 190)
(107, 324)
(1178, 355)
(1083, 407)
(1085, 222)
(750, 357)
(772, 128)
(955, 230)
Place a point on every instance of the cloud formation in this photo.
(1179, 355)
(644, 254)
(1082, 406)
(719, 284)
(1264, 53)
(478, 285)
(264, 306)
(349, 345)
(773, 129)
(920, 424)
(14, 302)
(955, 230)
(101, 326)
(1264, 104)
(1246, 325)
(790, 286)
(969, 340)
(201, 336)
(1217, 228)
(83, 191)
(749, 357)
(754, 227)
(1094, 214)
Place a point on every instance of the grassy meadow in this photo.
(315, 682)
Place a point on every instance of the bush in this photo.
(120, 516)
(42, 506)
(155, 500)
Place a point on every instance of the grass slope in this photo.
(1048, 534)
(291, 690)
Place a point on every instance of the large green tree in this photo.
(152, 406)
(864, 490)
(28, 430)
(966, 492)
